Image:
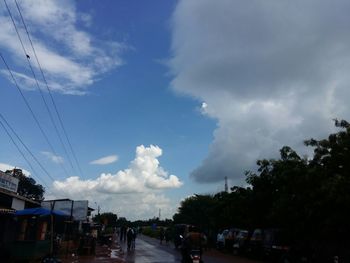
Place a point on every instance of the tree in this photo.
(27, 186)
(309, 198)
(331, 164)
(108, 219)
(196, 210)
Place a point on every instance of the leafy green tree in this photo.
(307, 197)
(27, 186)
(108, 219)
(331, 164)
(197, 210)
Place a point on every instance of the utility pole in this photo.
(159, 214)
(226, 186)
(98, 208)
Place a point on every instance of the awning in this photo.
(39, 211)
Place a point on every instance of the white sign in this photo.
(8, 182)
(79, 209)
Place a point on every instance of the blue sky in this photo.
(163, 99)
(129, 105)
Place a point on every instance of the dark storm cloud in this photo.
(271, 73)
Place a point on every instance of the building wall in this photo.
(17, 204)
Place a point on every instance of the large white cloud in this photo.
(270, 72)
(135, 192)
(71, 58)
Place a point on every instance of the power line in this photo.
(29, 151)
(49, 91)
(30, 109)
(38, 86)
(25, 146)
(18, 148)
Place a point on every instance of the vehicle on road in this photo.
(195, 256)
(240, 242)
(229, 236)
(271, 243)
(254, 247)
(275, 244)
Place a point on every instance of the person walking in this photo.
(167, 235)
(133, 242)
(129, 237)
(161, 235)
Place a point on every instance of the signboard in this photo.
(8, 182)
(79, 209)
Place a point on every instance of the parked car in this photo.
(275, 244)
(229, 237)
(220, 240)
(254, 246)
(271, 243)
(240, 242)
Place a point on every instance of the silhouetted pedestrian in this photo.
(161, 235)
(167, 235)
(129, 237)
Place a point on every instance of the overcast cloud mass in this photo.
(271, 73)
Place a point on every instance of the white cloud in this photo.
(105, 160)
(135, 190)
(71, 58)
(271, 73)
(54, 158)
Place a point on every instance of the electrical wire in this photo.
(19, 149)
(49, 91)
(41, 93)
(30, 108)
(3, 120)
(25, 146)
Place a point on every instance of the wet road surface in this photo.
(149, 250)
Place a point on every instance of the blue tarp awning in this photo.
(39, 211)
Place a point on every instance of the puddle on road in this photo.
(117, 252)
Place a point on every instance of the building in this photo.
(10, 202)
(9, 198)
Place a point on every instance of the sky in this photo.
(161, 100)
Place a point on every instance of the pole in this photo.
(51, 215)
(70, 228)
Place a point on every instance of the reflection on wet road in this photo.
(149, 250)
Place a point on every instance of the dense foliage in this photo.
(308, 198)
(108, 219)
(27, 186)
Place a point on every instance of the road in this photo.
(148, 250)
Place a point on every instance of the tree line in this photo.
(307, 197)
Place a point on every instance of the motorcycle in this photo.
(195, 256)
(192, 256)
